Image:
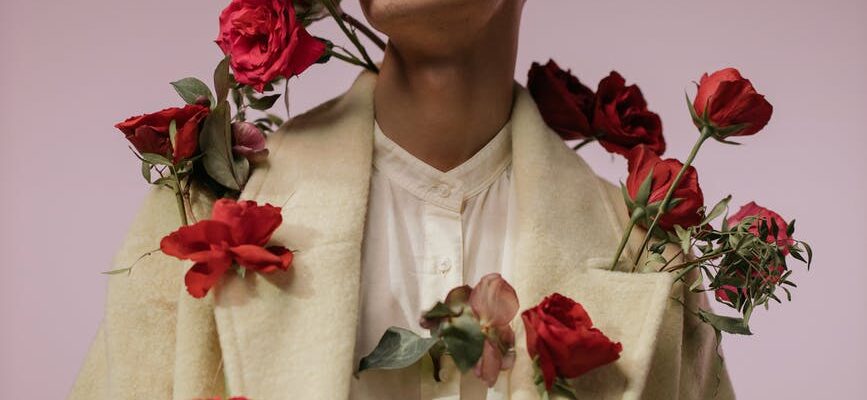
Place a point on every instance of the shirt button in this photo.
(444, 265)
(443, 190)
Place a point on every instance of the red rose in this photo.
(622, 119)
(149, 133)
(237, 232)
(561, 336)
(565, 103)
(264, 41)
(687, 212)
(764, 215)
(730, 100)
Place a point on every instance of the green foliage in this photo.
(215, 140)
(398, 348)
(464, 340)
(222, 80)
(190, 89)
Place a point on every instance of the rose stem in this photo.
(365, 30)
(583, 143)
(637, 214)
(179, 196)
(188, 203)
(335, 13)
(286, 98)
(705, 134)
(348, 58)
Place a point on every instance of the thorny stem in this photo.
(699, 260)
(348, 58)
(179, 196)
(336, 14)
(188, 203)
(365, 30)
(636, 215)
(663, 207)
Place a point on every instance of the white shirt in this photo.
(429, 231)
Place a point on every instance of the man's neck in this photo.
(444, 108)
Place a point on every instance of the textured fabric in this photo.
(292, 335)
(427, 232)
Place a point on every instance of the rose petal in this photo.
(195, 242)
(262, 260)
(249, 222)
(494, 301)
(488, 367)
(205, 275)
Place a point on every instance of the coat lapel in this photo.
(567, 231)
(292, 335)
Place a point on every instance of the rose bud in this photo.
(768, 217)
(687, 211)
(265, 41)
(565, 103)
(248, 141)
(149, 133)
(729, 105)
(561, 337)
(622, 120)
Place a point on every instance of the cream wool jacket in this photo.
(292, 335)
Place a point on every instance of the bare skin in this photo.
(445, 87)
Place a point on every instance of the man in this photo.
(428, 176)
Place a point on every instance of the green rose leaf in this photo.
(156, 159)
(398, 348)
(684, 237)
(464, 340)
(215, 140)
(643, 194)
(222, 83)
(263, 103)
(725, 324)
(146, 170)
(191, 89)
(717, 210)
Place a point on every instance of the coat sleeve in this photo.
(134, 352)
(687, 361)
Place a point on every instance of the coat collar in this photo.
(295, 332)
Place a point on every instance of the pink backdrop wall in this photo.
(70, 70)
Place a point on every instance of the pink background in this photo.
(70, 70)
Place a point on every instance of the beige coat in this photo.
(291, 335)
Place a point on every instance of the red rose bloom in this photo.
(237, 232)
(264, 41)
(686, 213)
(561, 336)
(565, 103)
(149, 133)
(622, 119)
(731, 100)
(752, 209)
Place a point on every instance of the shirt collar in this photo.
(447, 189)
